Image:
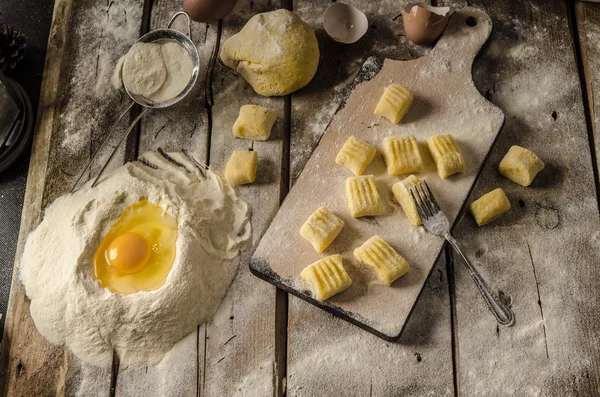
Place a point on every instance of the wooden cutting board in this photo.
(446, 101)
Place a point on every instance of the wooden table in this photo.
(541, 67)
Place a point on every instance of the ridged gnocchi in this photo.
(326, 277)
(401, 191)
(356, 155)
(381, 259)
(446, 155)
(362, 195)
(401, 155)
(394, 103)
(321, 228)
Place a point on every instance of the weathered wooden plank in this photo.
(327, 356)
(72, 117)
(182, 126)
(98, 35)
(18, 321)
(185, 125)
(241, 336)
(545, 251)
(548, 220)
(588, 27)
(175, 375)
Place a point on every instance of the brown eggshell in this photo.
(208, 10)
(423, 23)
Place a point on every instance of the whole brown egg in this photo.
(208, 10)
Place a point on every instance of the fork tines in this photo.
(424, 200)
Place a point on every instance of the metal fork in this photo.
(437, 223)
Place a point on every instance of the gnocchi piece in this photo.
(490, 206)
(356, 155)
(363, 198)
(254, 122)
(326, 277)
(401, 155)
(383, 260)
(520, 165)
(321, 228)
(401, 191)
(394, 103)
(445, 154)
(241, 167)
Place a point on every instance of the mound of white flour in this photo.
(69, 307)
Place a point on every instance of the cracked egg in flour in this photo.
(138, 251)
(136, 263)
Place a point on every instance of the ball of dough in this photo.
(276, 52)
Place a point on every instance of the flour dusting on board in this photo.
(90, 107)
(318, 123)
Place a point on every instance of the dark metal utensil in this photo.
(437, 224)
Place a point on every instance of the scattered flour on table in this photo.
(254, 384)
(539, 91)
(90, 100)
(68, 305)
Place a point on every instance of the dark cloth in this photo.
(33, 18)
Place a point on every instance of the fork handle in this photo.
(503, 314)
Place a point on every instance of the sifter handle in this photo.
(102, 145)
(189, 22)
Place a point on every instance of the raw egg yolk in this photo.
(128, 253)
(138, 251)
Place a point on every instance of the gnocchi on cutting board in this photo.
(381, 259)
(356, 155)
(326, 277)
(362, 195)
(438, 119)
(401, 192)
(447, 157)
(401, 154)
(321, 228)
(394, 103)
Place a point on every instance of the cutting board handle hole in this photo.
(471, 21)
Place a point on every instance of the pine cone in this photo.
(12, 47)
